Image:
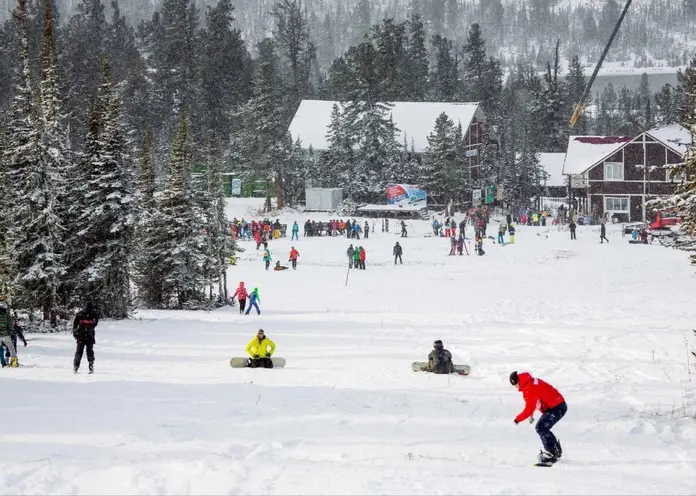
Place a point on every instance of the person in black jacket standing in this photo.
(398, 251)
(84, 325)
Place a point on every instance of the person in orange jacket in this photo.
(552, 405)
(294, 255)
(362, 258)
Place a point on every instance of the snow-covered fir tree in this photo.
(220, 240)
(336, 162)
(440, 161)
(179, 250)
(687, 97)
(36, 232)
(368, 125)
(105, 226)
(263, 124)
(146, 275)
(683, 202)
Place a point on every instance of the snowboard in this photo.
(240, 363)
(458, 369)
(541, 464)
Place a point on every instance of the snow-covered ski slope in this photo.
(165, 414)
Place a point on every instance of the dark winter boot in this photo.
(75, 370)
(91, 368)
(546, 457)
(558, 450)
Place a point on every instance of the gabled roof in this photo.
(553, 165)
(674, 136)
(584, 152)
(415, 119)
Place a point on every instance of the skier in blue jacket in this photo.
(295, 231)
(254, 300)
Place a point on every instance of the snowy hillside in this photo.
(165, 414)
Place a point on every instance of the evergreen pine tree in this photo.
(106, 224)
(35, 233)
(549, 110)
(683, 202)
(337, 160)
(264, 124)
(576, 83)
(368, 125)
(666, 111)
(687, 95)
(176, 230)
(439, 161)
(416, 70)
(646, 119)
(146, 275)
(444, 76)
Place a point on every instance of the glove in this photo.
(256, 357)
(531, 419)
(516, 422)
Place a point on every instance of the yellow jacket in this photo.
(263, 349)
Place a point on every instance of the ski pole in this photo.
(347, 274)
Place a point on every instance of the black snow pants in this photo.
(260, 363)
(398, 257)
(546, 422)
(242, 306)
(81, 345)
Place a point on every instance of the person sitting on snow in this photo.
(440, 360)
(279, 267)
(260, 350)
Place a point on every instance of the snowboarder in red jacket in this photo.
(540, 395)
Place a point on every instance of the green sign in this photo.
(490, 194)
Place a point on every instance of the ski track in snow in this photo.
(165, 414)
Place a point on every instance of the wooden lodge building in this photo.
(414, 120)
(618, 174)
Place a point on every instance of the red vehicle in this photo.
(664, 222)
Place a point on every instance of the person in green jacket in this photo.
(356, 257)
(254, 300)
(6, 325)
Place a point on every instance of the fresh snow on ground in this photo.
(165, 414)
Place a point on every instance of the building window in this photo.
(613, 171)
(615, 204)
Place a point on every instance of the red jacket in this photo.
(294, 254)
(537, 395)
(362, 255)
(241, 293)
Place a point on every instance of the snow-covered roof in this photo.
(416, 119)
(553, 165)
(584, 152)
(674, 136)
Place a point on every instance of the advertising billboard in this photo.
(404, 194)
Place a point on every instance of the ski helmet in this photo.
(438, 344)
(514, 379)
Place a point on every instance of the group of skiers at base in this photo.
(356, 257)
(260, 350)
(537, 394)
(243, 296)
